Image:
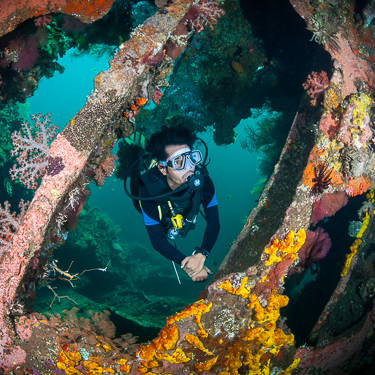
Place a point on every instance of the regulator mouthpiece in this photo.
(195, 181)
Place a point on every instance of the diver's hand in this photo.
(193, 264)
(201, 276)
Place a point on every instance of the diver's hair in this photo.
(169, 136)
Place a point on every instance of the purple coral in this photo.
(55, 165)
(204, 13)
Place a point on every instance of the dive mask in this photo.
(183, 159)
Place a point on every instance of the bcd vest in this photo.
(186, 202)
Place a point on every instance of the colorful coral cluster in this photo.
(343, 145)
(149, 355)
(347, 168)
(134, 108)
(262, 341)
(13, 13)
(354, 127)
(71, 362)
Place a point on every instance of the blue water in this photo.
(232, 169)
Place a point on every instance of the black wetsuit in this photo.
(156, 229)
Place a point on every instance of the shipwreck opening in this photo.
(310, 293)
(255, 59)
(316, 207)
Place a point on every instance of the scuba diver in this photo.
(170, 193)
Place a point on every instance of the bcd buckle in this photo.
(178, 221)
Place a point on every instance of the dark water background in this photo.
(232, 169)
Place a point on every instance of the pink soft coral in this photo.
(43, 21)
(204, 13)
(31, 146)
(315, 85)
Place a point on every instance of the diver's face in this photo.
(176, 178)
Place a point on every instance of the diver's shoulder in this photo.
(208, 183)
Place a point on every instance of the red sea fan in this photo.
(315, 85)
(204, 13)
(328, 206)
(10, 54)
(28, 55)
(316, 247)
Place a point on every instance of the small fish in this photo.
(93, 69)
(114, 180)
(113, 190)
(229, 196)
(214, 263)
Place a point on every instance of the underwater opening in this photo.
(237, 86)
(311, 288)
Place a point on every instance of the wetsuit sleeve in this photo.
(211, 212)
(156, 231)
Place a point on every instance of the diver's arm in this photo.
(194, 264)
(213, 227)
(211, 212)
(161, 245)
